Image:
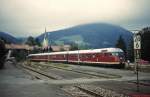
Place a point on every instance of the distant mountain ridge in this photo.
(8, 38)
(96, 35)
(11, 39)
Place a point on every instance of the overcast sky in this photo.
(30, 17)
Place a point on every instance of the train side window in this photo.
(101, 54)
(115, 54)
(110, 54)
(93, 55)
(84, 55)
(80, 56)
(89, 55)
(98, 54)
(105, 54)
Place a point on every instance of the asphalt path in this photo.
(14, 82)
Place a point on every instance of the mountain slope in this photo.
(8, 38)
(97, 35)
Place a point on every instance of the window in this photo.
(93, 56)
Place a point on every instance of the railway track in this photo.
(100, 75)
(91, 91)
(75, 90)
(56, 74)
(38, 73)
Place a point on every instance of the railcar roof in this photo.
(53, 53)
(81, 51)
(96, 50)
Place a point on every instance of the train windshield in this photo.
(120, 54)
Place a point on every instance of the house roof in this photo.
(17, 46)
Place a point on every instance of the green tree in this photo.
(130, 51)
(121, 44)
(2, 53)
(74, 46)
(20, 55)
(5, 41)
(31, 41)
(37, 41)
(145, 43)
(50, 48)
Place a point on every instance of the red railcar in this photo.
(105, 56)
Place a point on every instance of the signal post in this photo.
(137, 56)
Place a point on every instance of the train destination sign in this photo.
(137, 42)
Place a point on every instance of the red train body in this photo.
(105, 56)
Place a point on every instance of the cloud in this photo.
(30, 17)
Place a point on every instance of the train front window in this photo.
(115, 54)
(120, 54)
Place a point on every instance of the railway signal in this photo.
(137, 48)
(137, 42)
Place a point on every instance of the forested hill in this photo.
(8, 38)
(96, 35)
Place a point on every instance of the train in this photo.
(103, 57)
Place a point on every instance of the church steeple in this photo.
(45, 40)
(45, 29)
